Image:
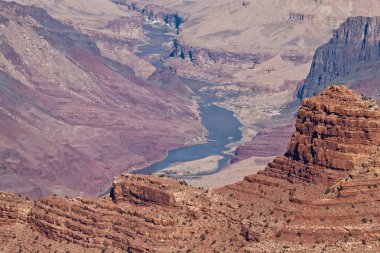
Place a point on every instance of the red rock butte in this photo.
(321, 196)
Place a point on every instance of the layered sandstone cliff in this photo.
(337, 130)
(321, 196)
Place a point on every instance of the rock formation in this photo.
(321, 196)
(351, 56)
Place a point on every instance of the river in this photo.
(223, 127)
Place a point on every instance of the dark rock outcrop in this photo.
(154, 13)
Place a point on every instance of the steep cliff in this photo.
(321, 196)
(352, 56)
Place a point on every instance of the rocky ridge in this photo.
(322, 195)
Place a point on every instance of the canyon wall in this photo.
(351, 56)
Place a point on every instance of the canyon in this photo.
(256, 54)
(96, 93)
(321, 196)
(72, 115)
(255, 62)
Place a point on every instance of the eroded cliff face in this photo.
(336, 137)
(322, 195)
(351, 56)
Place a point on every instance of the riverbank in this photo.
(223, 128)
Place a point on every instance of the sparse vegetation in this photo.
(183, 183)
